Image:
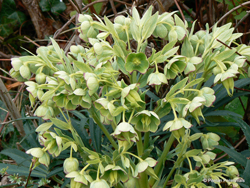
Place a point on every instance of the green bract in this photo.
(120, 102)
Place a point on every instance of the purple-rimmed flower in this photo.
(125, 131)
(145, 121)
(208, 94)
(177, 124)
(114, 173)
(43, 157)
(157, 78)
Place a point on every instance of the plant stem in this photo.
(146, 140)
(162, 159)
(133, 77)
(103, 128)
(139, 145)
(177, 163)
(179, 160)
(143, 180)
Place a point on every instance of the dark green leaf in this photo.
(246, 174)
(22, 171)
(58, 8)
(238, 157)
(245, 128)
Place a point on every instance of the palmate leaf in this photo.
(9, 17)
(6, 26)
(55, 6)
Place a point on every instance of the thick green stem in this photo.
(177, 163)
(133, 77)
(162, 158)
(146, 140)
(103, 128)
(139, 145)
(143, 180)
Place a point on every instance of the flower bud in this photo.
(99, 183)
(120, 20)
(40, 78)
(161, 31)
(179, 133)
(70, 165)
(14, 74)
(98, 48)
(216, 70)
(82, 18)
(25, 71)
(74, 49)
(131, 183)
(85, 26)
(232, 171)
(16, 63)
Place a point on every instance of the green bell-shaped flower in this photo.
(209, 140)
(208, 94)
(99, 183)
(53, 143)
(157, 78)
(16, 63)
(105, 107)
(194, 107)
(232, 172)
(226, 77)
(137, 62)
(92, 82)
(114, 174)
(80, 177)
(175, 66)
(191, 64)
(145, 121)
(43, 157)
(70, 164)
(177, 124)
(125, 131)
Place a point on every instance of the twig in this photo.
(192, 14)
(32, 41)
(5, 55)
(242, 19)
(62, 28)
(242, 89)
(182, 15)
(122, 2)
(161, 6)
(242, 104)
(237, 145)
(31, 168)
(7, 78)
(113, 7)
(75, 6)
(73, 17)
(231, 48)
(232, 10)
(13, 111)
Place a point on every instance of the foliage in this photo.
(136, 97)
(10, 18)
(55, 6)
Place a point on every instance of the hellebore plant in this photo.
(113, 82)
